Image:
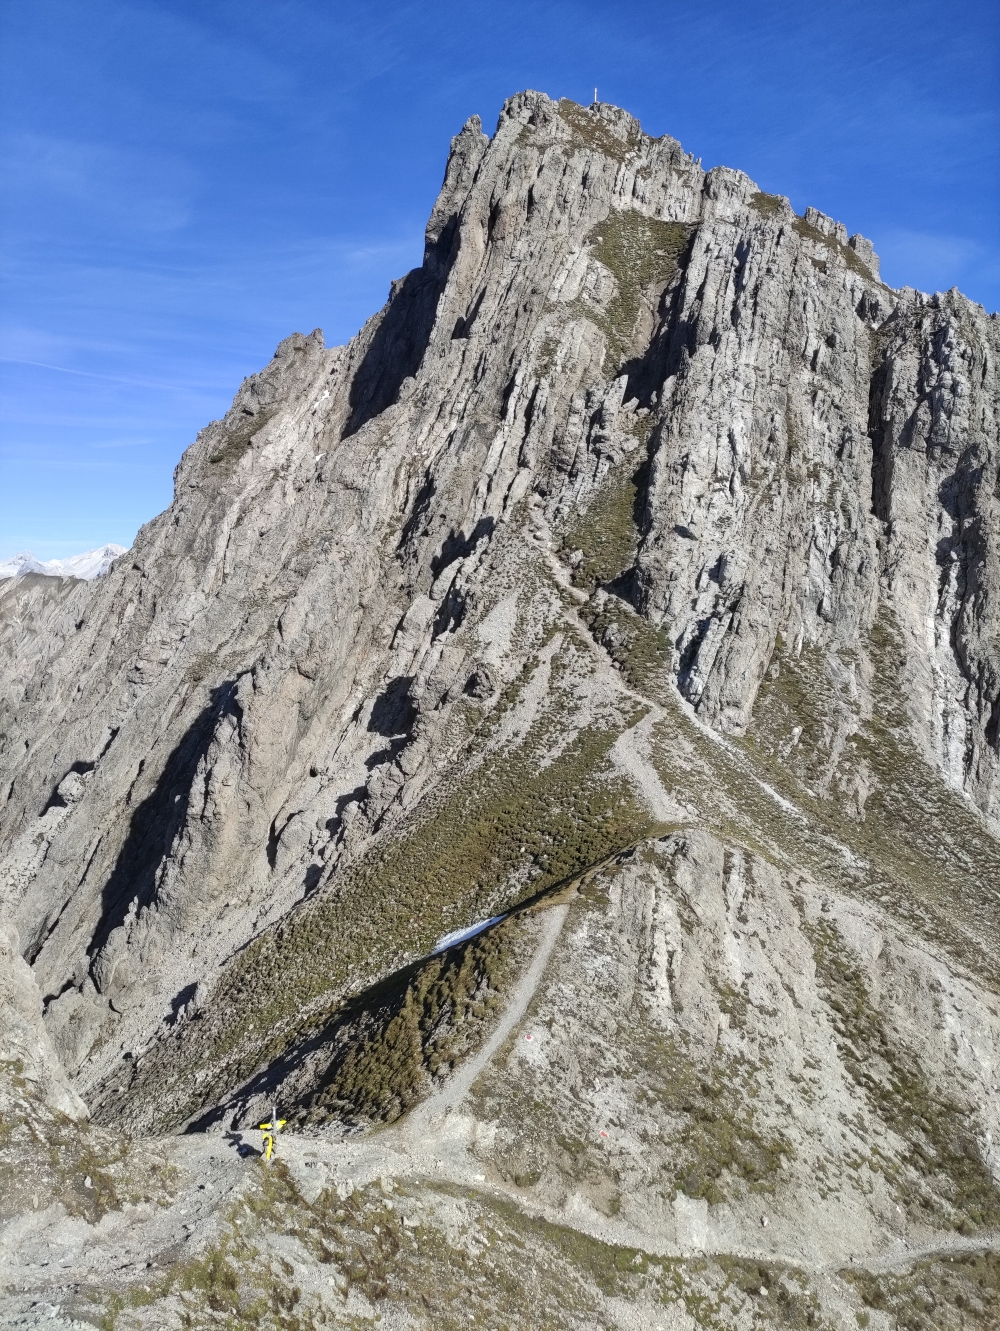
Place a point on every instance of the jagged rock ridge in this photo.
(644, 533)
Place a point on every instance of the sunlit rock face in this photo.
(629, 582)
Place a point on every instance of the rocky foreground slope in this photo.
(632, 576)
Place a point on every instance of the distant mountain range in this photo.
(87, 566)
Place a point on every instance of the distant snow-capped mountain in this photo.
(87, 566)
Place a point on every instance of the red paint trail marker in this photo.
(528, 1037)
(603, 1133)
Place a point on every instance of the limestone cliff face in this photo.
(27, 1049)
(642, 504)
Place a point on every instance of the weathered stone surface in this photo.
(27, 1049)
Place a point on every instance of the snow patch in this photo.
(462, 935)
(86, 566)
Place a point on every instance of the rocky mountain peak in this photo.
(627, 586)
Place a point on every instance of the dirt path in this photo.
(905, 1256)
(451, 1095)
(630, 754)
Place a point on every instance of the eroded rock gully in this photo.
(633, 571)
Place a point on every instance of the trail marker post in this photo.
(270, 1131)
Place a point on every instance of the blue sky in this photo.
(187, 183)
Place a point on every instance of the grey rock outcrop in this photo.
(26, 1047)
(643, 509)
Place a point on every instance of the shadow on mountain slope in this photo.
(398, 345)
(158, 818)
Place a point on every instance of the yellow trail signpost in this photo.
(270, 1131)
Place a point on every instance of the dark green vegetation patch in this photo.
(607, 531)
(769, 205)
(644, 255)
(642, 652)
(960, 1292)
(394, 1041)
(592, 132)
(236, 438)
(720, 1149)
(843, 252)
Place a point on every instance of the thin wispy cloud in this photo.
(114, 187)
(123, 443)
(84, 374)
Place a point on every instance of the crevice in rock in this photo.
(689, 658)
(882, 448)
(463, 325)
(386, 755)
(421, 506)
(179, 1004)
(51, 998)
(273, 837)
(394, 710)
(451, 612)
(356, 796)
(457, 545)
(646, 373)
(992, 729)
